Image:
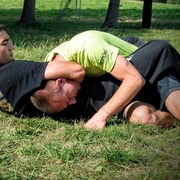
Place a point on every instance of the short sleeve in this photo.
(19, 79)
(100, 54)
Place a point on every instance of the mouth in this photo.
(11, 55)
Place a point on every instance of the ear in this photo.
(58, 57)
(60, 81)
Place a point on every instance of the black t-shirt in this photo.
(18, 79)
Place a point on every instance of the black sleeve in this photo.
(17, 80)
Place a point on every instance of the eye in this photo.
(5, 43)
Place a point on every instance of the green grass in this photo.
(47, 149)
(42, 148)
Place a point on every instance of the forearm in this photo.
(69, 70)
(128, 89)
(132, 81)
(124, 94)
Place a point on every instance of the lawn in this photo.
(43, 148)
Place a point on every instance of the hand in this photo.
(58, 57)
(98, 121)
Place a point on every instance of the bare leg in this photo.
(173, 104)
(144, 113)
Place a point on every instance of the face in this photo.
(67, 93)
(70, 90)
(6, 48)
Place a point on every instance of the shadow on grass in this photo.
(51, 28)
(91, 18)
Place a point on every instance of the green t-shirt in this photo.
(96, 51)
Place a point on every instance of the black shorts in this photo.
(165, 87)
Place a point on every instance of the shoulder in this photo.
(21, 68)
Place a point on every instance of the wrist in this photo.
(104, 112)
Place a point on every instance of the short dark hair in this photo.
(40, 101)
(2, 27)
(41, 98)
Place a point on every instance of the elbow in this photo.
(79, 77)
(82, 73)
(141, 81)
(80, 70)
(138, 82)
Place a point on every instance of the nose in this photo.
(11, 47)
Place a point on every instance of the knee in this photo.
(172, 103)
(140, 113)
(163, 44)
(143, 115)
(129, 38)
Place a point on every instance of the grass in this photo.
(47, 149)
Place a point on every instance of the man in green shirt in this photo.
(156, 61)
(100, 53)
(94, 50)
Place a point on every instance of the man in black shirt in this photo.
(19, 78)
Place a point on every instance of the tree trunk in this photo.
(28, 13)
(147, 11)
(112, 15)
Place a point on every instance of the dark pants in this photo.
(134, 40)
(159, 63)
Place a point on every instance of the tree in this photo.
(147, 11)
(112, 15)
(28, 13)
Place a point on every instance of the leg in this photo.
(144, 113)
(155, 59)
(173, 104)
(134, 40)
(169, 90)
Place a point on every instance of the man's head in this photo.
(56, 95)
(6, 46)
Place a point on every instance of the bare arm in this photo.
(132, 82)
(64, 69)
